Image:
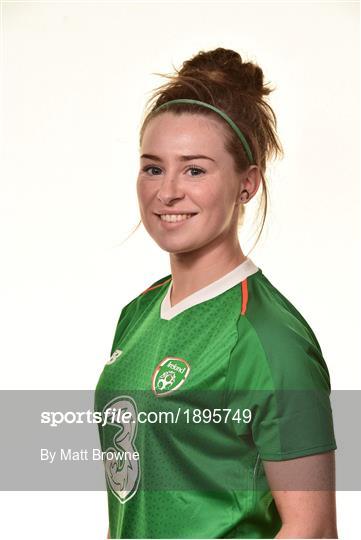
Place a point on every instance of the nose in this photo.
(170, 188)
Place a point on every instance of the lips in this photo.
(174, 213)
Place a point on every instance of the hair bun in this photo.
(225, 66)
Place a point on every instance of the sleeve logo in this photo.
(169, 375)
(113, 357)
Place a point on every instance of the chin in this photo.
(176, 247)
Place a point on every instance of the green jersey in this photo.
(228, 367)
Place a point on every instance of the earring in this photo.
(246, 197)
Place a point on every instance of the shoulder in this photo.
(133, 309)
(157, 285)
(268, 310)
(290, 351)
(147, 295)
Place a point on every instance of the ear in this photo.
(249, 181)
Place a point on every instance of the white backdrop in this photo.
(75, 77)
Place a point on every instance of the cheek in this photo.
(216, 203)
(144, 192)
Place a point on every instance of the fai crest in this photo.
(169, 375)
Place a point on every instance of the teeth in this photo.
(174, 217)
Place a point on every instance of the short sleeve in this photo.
(280, 376)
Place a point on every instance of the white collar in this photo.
(238, 274)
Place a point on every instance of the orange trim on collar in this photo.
(244, 296)
(156, 286)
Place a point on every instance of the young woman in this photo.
(214, 347)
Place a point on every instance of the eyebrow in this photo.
(181, 158)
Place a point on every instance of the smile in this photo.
(171, 218)
(174, 219)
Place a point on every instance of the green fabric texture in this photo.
(205, 479)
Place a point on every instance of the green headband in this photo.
(223, 114)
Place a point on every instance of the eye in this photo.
(195, 169)
(148, 167)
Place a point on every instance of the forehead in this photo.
(193, 131)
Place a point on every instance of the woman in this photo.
(247, 451)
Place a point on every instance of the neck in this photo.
(194, 270)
